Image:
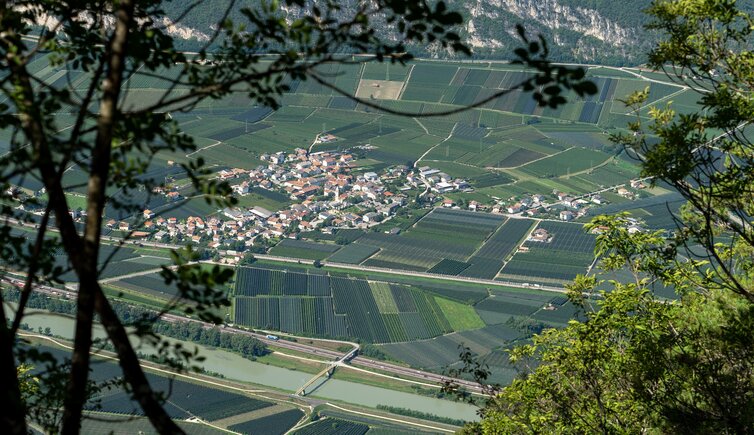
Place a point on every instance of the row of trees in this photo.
(84, 125)
(193, 332)
(635, 364)
(422, 415)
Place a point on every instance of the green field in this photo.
(511, 132)
(461, 317)
(318, 304)
(442, 235)
(506, 149)
(303, 249)
(569, 253)
(420, 321)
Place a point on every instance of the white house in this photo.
(567, 215)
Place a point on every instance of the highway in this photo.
(294, 346)
(362, 268)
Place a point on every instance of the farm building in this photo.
(515, 208)
(567, 215)
(443, 187)
(625, 192)
(540, 235)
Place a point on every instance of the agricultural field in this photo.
(570, 161)
(353, 254)
(487, 261)
(96, 423)
(420, 324)
(570, 252)
(470, 244)
(656, 212)
(334, 306)
(449, 267)
(185, 400)
(303, 249)
(275, 424)
(444, 242)
(500, 307)
(114, 262)
(499, 311)
(333, 426)
(132, 265)
(441, 240)
(507, 140)
(264, 198)
(444, 351)
(152, 285)
(379, 89)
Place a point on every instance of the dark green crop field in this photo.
(334, 306)
(510, 132)
(507, 149)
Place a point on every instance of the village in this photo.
(329, 191)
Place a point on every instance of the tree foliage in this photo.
(113, 144)
(639, 363)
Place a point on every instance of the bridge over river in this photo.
(327, 371)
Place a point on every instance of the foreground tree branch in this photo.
(114, 144)
(86, 266)
(641, 363)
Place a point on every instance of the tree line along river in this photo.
(235, 367)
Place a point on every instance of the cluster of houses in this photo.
(633, 226)
(567, 207)
(326, 194)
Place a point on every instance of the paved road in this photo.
(560, 290)
(290, 345)
(419, 374)
(363, 268)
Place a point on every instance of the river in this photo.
(235, 367)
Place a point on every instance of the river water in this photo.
(235, 367)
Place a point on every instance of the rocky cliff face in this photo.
(583, 34)
(595, 31)
(555, 15)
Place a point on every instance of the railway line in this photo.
(283, 343)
